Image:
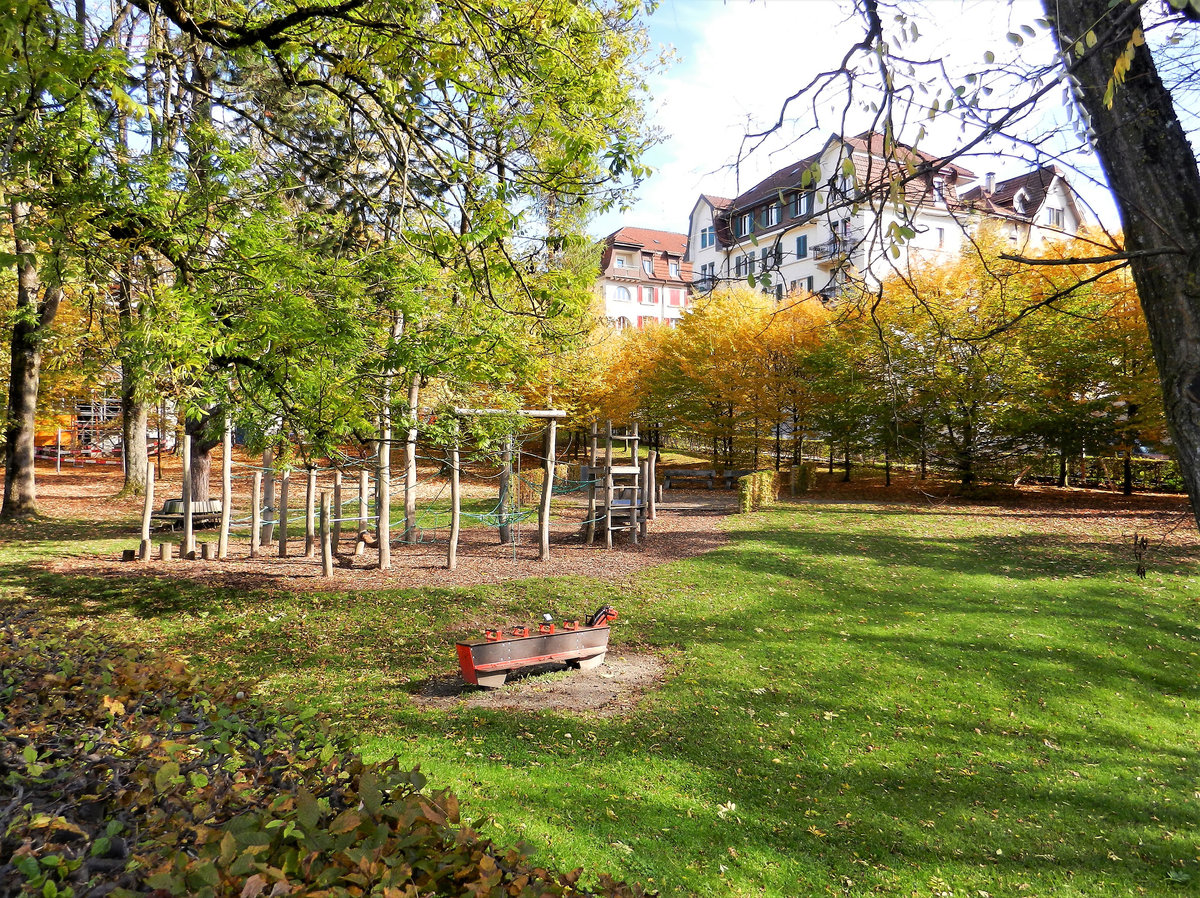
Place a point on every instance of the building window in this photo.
(622, 262)
(708, 237)
(750, 260)
(648, 265)
(941, 236)
(647, 296)
(802, 204)
(939, 191)
(770, 215)
(1056, 218)
(708, 273)
(739, 265)
(675, 297)
(802, 247)
(622, 294)
(674, 268)
(779, 291)
(745, 224)
(621, 323)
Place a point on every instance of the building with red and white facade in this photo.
(644, 277)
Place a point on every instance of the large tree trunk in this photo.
(204, 441)
(134, 413)
(1152, 170)
(36, 308)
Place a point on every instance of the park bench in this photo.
(670, 475)
(204, 514)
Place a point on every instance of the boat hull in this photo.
(488, 663)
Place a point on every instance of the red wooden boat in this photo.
(582, 646)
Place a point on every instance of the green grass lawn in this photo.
(862, 699)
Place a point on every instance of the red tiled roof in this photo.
(658, 241)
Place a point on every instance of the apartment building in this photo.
(860, 208)
(644, 277)
(1030, 208)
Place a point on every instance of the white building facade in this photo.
(644, 277)
(821, 221)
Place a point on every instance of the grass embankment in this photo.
(863, 699)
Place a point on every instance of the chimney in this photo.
(990, 182)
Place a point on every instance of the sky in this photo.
(736, 62)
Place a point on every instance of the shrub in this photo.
(133, 777)
(757, 490)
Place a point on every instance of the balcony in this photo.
(834, 251)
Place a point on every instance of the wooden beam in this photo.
(522, 413)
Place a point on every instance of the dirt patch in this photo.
(688, 524)
(611, 690)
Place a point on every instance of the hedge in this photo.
(757, 490)
(126, 775)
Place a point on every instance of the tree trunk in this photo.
(134, 416)
(36, 308)
(1062, 466)
(1147, 159)
(1127, 481)
(203, 443)
(846, 462)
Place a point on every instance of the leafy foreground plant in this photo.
(126, 776)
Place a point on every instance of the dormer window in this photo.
(621, 262)
(708, 237)
(770, 215)
(745, 224)
(1055, 217)
(1020, 201)
(648, 264)
(939, 191)
(802, 204)
(674, 268)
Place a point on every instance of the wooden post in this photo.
(166, 551)
(281, 515)
(642, 493)
(455, 510)
(310, 499)
(547, 493)
(206, 551)
(326, 547)
(255, 512)
(608, 501)
(652, 485)
(337, 511)
(226, 489)
(410, 465)
(147, 510)
(383, 496)
(633, 446)
(505, 491)
(589, 533)
(363, 486)
(189, 544)
(58, 450)
(268, 530)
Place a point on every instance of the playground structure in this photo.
(617, 500)
(489, 662)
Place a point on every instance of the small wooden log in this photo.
(187, 553)
(326, 546)
(310, 501)
(337, 511)
(166, 551)
(226, 489)
(129, 554)
(144, 548)
(206, 551)
(455, 511)
(282, 515)
(255, 512)
(547, 493)
(189, 539)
